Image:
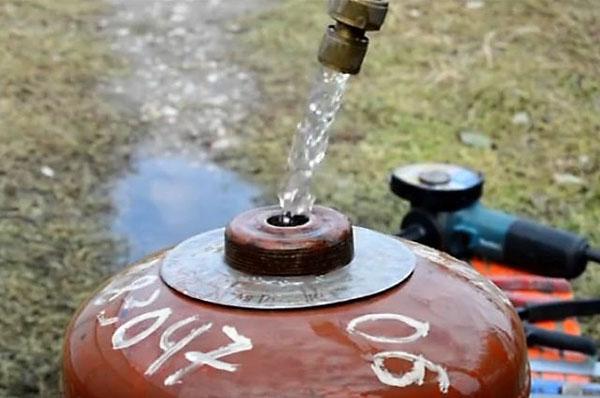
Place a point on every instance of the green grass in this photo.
(54, 240)
(425, 79)
(438, 68)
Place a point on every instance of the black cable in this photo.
(555, 310)
(593, 254)
(559, 340)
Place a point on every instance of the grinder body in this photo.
(446, 214)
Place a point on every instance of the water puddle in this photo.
(170, 198)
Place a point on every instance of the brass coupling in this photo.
(344, 44)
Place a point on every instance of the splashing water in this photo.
(310, 142)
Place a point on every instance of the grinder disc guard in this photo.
(437, 186)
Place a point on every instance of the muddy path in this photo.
(188, 95)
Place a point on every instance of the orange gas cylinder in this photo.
(317, 309)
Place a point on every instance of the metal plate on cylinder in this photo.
(197, 269)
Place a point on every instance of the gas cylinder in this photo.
(311, 308)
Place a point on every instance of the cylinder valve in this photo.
(344, 45)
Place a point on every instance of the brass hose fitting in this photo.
(344, 44)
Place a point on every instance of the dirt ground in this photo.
(181, 81)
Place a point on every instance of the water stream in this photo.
(310, 142)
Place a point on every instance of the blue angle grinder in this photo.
(446, 214)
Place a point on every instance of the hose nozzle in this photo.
(344, 45)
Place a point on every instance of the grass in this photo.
(58, 144)
(436, 69)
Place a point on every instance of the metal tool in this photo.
(446, 214)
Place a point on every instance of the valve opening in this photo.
(287, 220)
(264, 241)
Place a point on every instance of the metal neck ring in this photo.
(256, 246)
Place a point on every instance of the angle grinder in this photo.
(446, 213)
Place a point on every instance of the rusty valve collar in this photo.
(256, 246)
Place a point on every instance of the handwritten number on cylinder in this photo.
(119, 338)
(421, 328)
(169, 347)
(416, 375)
(112, 292)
